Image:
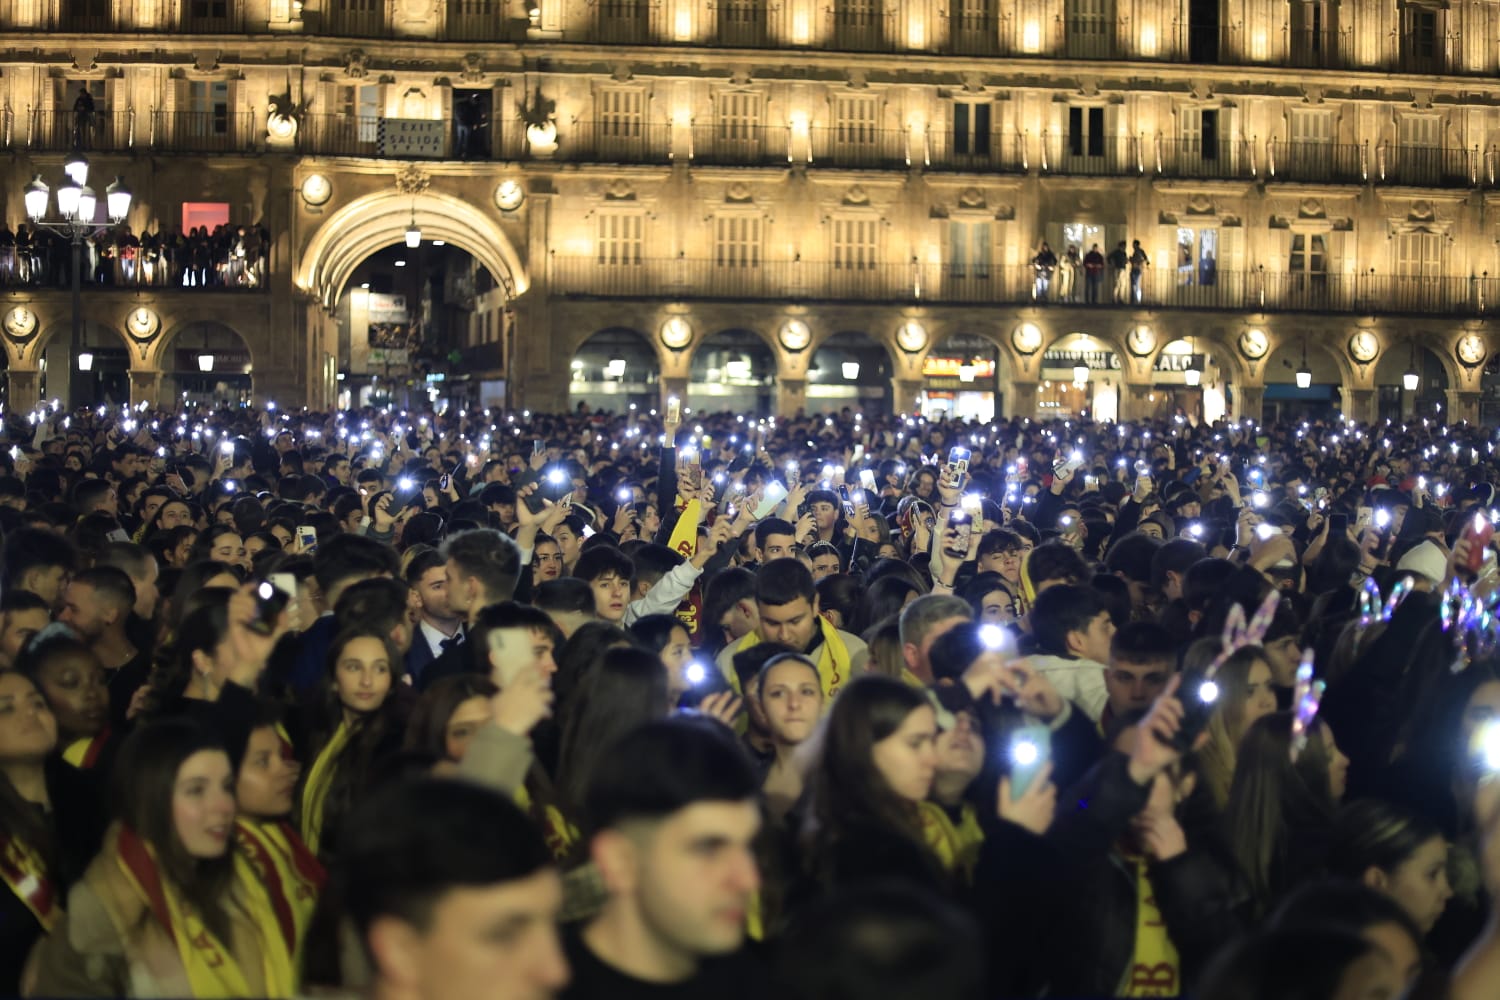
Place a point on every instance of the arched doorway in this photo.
(851, 370)
(961, 380)
(206, 365)
(1284, 400)
(1081, 375)
(734, 371)
(613, 370)
(1430, 396)
(99, 374)
(1186, 382)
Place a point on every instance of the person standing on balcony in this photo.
(1093, 274)
(1067, 275)
(470, 115)
(1044, 262)
(1138, 264)
(83, 118)
(1119, 263)
(129, 249)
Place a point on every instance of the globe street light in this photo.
(77, 205)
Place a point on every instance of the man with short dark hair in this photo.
(452, 893)
(39, 561)
(786, 602)
(568, 601)
(1073, 629)
(96, 604)
(673, 814)
(922, 622)
(340, 562)
(1142, 658)
(22, 616)
(438, 627)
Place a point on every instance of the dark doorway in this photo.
(472, 124)
(1203, 31)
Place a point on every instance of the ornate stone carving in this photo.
(473, 68)
(355, 64)
(412, 179)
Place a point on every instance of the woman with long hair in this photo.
(668, 638)
(874, 763)
(222, 543)
(72, 680)
(358, 723)
(169, 907)
(1395, 852)
(447, 715)
(196, 577)
(50, 825)
(1244, 682)
(791, 699)
(1279, 817)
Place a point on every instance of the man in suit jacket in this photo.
(437, 627)
(481, 568)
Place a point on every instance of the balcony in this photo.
(481, 21)
(1224, 159)
(204, 131)
(1092, 155)
(861, 147)
(862, 29)
(1317, 162)
(1258, 290)
(59, 131)
(628, 22)
(976, 35)
(1426, 166)
(615, 141)
(992, 152)
(1309, 49)
(736, 144)
(741, 24)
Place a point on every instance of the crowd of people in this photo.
(224, 256)
(489, 704)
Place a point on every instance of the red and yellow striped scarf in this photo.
(292, 875)
(26, 874)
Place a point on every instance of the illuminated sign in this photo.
(935, 367)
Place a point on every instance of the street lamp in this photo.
(76, 206)
(205, 362)
(1304, 373)
(1192, 375)
(413, 233)
(1412, 378)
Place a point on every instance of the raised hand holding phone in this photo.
(1033, 808)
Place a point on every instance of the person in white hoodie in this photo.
(1072, 629)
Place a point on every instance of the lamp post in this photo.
(76, 205)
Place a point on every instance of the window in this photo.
(621, 239)
(1308, 261)
(1198, 128)
(210, 10)
(1197, 256)
(1419, 254)
(969, 249)
(742, 21)
(208, 106)
(855, 120)
(1421, 42)
(971, 128)
(1089, 27)
(854, 244)
(621, 114)
(1311, 127)
(1314, 37)
(737, 241)
(739, 117)
(206, 214)
(1086, 131)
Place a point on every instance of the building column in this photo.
(904, 393)
(1463, 406)
(1249, 402)
(24, 391)
(1021, 401)
(672, 386)
(1362, 404)
(1134, 404)
(145, 386)
(791, 396)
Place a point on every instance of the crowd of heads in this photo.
(479, 703)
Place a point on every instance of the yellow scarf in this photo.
(24, 871)
(1154, 970)
(559, 834)
(84, 753)
(956, 845)
(834, 664)
(212, 971)
(315, 791)
(684, 540)
(291, 874)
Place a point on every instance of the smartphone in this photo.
(1072, 465)
(284, 582)
(307, 535)
(770, 499)
(227, 447)
(867, 479)
(1199, 696)
(958, 460)
(538, 446)
(443, 482)
(962, 526)
(1338, 525)
(674, 410)
(1479, 532)
(509, 654)
(1029, 751)
(270, 601)
(846, 501)
(1266, 532)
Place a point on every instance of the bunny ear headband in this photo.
(1306, 699)
(1237, 635)
(1370, 608)
(1474, 617)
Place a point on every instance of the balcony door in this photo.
(1419, 270)
(1089, 28)
(208, 109)
(1197, 256)
(1314, 41)
(1307, 268)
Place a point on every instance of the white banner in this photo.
(413, 137)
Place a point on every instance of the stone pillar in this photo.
(24, 391)
(1463, 406)
(1360, 404)
(791, 396)
(904, 394)
(1134, 404)
(1022, 401)
(1249, 402)
(673, 386)
(145, 386)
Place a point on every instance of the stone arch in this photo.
(378, 220)
(1288, 346)
(173, 359)
(972, 343)
(733, 369)
(112, 359)
(636, 383)
(844, 346)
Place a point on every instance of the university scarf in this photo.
(84, 753)
(319, 780)
(559, 834)
(25, 873)
(290, 873)
(1154, 970)
(956, 845)
(684, 541)
(832, 658)
(212, 971)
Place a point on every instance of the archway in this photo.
(1284, 400)
(1398, 403)
(852, 370)
(1081, 375)
(206, 364)
(614, 370)
(1175, 392)
(961, 379)
(733, 370)
(99, 374)
(368, 224)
